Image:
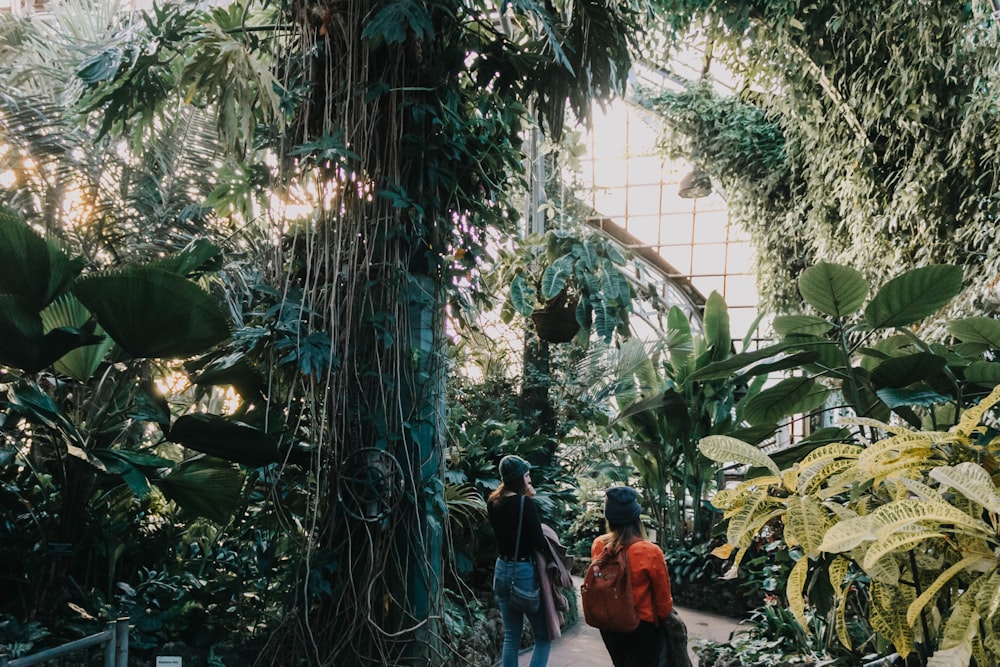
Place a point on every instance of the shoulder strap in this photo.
(517, 541)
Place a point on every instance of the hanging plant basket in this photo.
(556, 322)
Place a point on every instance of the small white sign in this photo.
(168, 661)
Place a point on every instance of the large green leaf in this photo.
(150, 312)
(809, 325)
(25, 346)
(914, 295)
(229, 439)
(81, 362)
(795, 395)
(833, 289)
(200, 257)
(717, 327)
(738, 362)
(976, 330)
(985, 373)
(522, 295)
(32, 267)
(555, 276)
(207, 487)
(903, 371)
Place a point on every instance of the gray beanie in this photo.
(512, 467)
(621, 505)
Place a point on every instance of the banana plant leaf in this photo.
(206, 487)
(32, 267)
(153, 313)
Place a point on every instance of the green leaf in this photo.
(228, 439)
(31, 267)
(737, 362)
(976, 330)
(522, 295)
(717, 328)
(724, 449)
(205, 487)
(896, 398)
(833, 289)
(81, 362)
(985, 373)
(555, 276)
(906, 370)
(795, 395)
(787, 325)
(914, 295)
(150, 312)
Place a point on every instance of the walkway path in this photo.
(581, 645)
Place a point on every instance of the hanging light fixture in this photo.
(696, 184)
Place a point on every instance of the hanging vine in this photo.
(884, 116)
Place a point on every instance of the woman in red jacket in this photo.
(648, 574)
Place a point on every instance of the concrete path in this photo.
(581, 645)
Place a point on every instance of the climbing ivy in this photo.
(864, 133)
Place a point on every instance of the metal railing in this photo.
(114, 638)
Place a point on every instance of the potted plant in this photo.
(567, 282)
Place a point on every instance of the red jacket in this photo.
(650, 581)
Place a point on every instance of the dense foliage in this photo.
(861, 133)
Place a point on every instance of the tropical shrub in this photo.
(913, 511)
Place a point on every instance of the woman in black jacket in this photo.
(515, 564)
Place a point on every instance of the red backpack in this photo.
(607, 592)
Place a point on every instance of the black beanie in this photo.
(512, 467)
(621, 505)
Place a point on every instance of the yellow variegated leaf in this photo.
(837, 572)
(991, 635)
(896, 542)
(963, 622)
(892, 448)
(972, 416)
(836, 450)
(921, 490)
(748, 530)
(887, 619)
(884, 570)
(734, 570)
(811, 477)
(723, 551)
(848, 534)
(805, 523)
(972, 481)
(988, 599)
(793, 591)
(873, 423)
(841, 623)
(726, 449)
(917, 605)
(727, 498)
(790, 478)
(956, 656)
(901, 513)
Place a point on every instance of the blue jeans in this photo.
(513, 621)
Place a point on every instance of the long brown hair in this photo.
(515, 486)
(624, 533)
